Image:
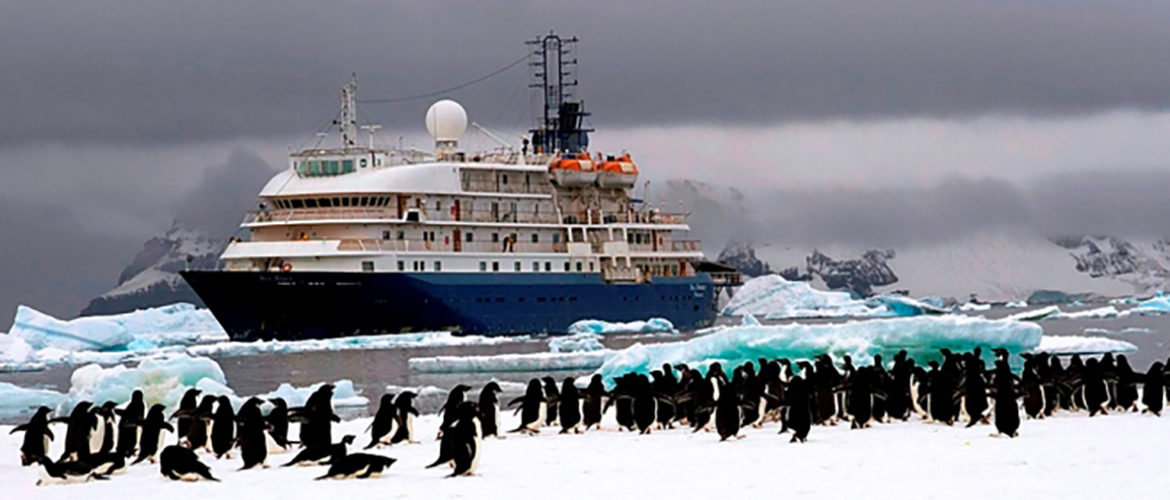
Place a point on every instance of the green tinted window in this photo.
(330, 167)
(314, 167)
(346, 166)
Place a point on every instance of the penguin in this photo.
(880, 381)
(623, 401)
(455, 398)
(860, 398)
(102, 439)
(180, 464)
(489, 409)
(1153, 389)
(130, 425)
(569, 407)
(728, 415)
(37, 437)
(317, 418)
(187, 406)
(223, 428)
(1034, 393)
(251, 439)
(322, 455)
(552, 396)
(80, 424)
(532, 407)
(645, 404)
(460, 444)
(382, 427)
(1095, 390)
(1007, 412)
(200, 418)
(107, 464)
(798, 415)
(277, 420)
(358, 466)
(64, 472)
(1127, 393)
(151, 438)
(406, 413)
(593, 403)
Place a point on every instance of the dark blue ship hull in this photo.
(313, 305)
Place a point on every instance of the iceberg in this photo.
(14, 350)
(344, 395)
(17, 402)
(902, 306)
(539, 362)
(974, 307)
(921, 337)
(579, 342)
(1016, 304)
(1073, 344)
(774, 297)
(1100, 312)
(159, 379)
(652, 325)
(1135, 330)
(175, 324)
(1158, 304)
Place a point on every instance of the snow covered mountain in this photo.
(742, 256)
(859, 276)
(152, 278)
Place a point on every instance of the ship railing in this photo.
(503, 246)
(309, 214)
(685, 245)
(502, 214)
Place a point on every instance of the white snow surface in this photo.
(1066, 456)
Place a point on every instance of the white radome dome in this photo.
(446, 120)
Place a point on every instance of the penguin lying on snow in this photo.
(181, 464)
(322, 455)
(65, 472)
(358, 466)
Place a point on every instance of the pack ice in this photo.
(773, 297)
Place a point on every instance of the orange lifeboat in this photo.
(573, 170)
(619, 172)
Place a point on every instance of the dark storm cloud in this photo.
(228, 190)
(148, 72)
(1126, 204)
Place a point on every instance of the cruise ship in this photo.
(528, 238)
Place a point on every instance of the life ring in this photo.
(286, 267)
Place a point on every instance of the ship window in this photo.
(385, 235)
(368, 266)
(495, 266)
(578, 267)
(401, 265)
(495, 237)
(470, 237)
(535, 267)
(325, 202)
(566, 267)
(548, 267)
(557, 238)
(337, 202)
(504, 179)
(345, 202)
(402, 235)
(346, 166)
(482, 266)
(590, 266)
(314, 167)
(535, 238)
(311, 203)
(516, 266)
(297, 203)
(329, 167)
(438, 266)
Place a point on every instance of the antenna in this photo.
(560, 126)
(349, 112)
(491, 135)
(370, 129)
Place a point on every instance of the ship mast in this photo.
(561, 126)
(348, 120)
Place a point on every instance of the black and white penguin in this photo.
(385, 419)
(64, 472)
(532, 407)
(322, 455)
(1154, 389)
(1033, 391)
(489, 409)
(1095, 391)
(880, 381)
(223, 428)
(200, 420)
(974, 391)
(107, 464)
(798, 414)
(317, 418)
(130, 424)
(593, 402)
(728, 415)
(461, 442)
(181, 464)
(187, 406)
(860, 398)
(455, 398)
(645, 404)
(552, 397)
(623, 401)
(277, 420)
(151, 438)
(37, 436)
(406, 413)
(1127, 392)
(80, 424)
(1007, 411)
(251, 439)
(102, 440)
(569, 407)
(358, 466)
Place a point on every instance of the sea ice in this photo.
(538, 362)
(1158, 304)
(974, 307)
(424, 339)
(16, 401)
(921, 337)
(653, 325)
(1073, 344)
(1016, 304)
(578, 342)
(774, 297)
(1100, 312)
(1134, 330)
(899, 305)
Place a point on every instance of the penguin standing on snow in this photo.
(197, 433)
(317, 418)
(532, 407)
(455, 398)
(553, 397)
(102, 441)
(461, 442)
(382, 428)
(187, 407)
(277, 420)
(406, 413)
(252, 441)
(569, 407)
(181, 464)
(1153, 390)
(36, 437)
(1007, 412)
(80, 424)
(489, 409)
(728, 414)
(151, 439)
(645, 404)
(223, 428)
(860, 398)
(358, 466)
(130, 425)
(593, 402)
(1127, 393)
(798, 415)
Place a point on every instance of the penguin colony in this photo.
(101, 441)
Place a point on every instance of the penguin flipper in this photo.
(21, 427)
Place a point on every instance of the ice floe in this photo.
(1133, 330)
(578, 342)
(1074, 344)
(537, 362)
(175, 324)
(424, 339)
(1159, 304)
(16, 401)
(652, 325)
(774, 297)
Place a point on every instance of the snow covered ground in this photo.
(1068, 456)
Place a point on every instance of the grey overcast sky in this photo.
(121, 115)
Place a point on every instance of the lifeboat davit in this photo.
(620, 172)
(573, 170)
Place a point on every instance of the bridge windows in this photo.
(368, 266)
